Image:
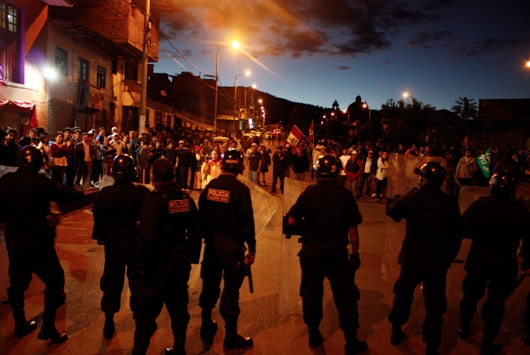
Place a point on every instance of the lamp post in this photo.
(247, 73)
(235, 45)
(216, 88)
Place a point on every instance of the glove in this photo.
(249, 258)
(355, 261)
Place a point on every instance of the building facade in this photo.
(65, 65)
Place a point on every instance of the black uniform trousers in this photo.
(474, 288)
(45, 264)
(112, 281)
(223, 265)
(316, 266)
(169, 286)
(435, 302)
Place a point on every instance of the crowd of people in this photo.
(154, 237)
(81, 158)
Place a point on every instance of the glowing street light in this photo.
(406, 95)
(235, 45)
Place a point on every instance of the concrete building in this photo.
(73, 65)
(505, 122)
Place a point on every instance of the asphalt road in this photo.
(271, 315)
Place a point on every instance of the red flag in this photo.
(312, 132)
(33, 122)
(294, 136)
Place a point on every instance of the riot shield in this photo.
(401, 177)
(290, 300)
(263, 204)
(401, 180)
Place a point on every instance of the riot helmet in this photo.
(502, 183)
(163, 170)
(232, 161)
(30, 157)
(123, 168)
(432, 172)
(327, 166)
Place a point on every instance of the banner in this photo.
(294, 136)
(483, 161)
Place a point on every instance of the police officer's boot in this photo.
(179, 339)
(353, 345)
(48, 330)
(489, 346)
(397, 335)
(234, 340)
(139, 351)
(178, 348)
(22, 326)
(432, 349)
(315, 337)
(109, 328)
(208, 327)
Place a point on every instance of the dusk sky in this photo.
(319, 51)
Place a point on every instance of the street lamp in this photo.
(235, 45)
(246, 73)
(261, 111)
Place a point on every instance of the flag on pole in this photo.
(294, 136)
(483, 161)
(312, 133)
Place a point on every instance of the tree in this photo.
(465, 108)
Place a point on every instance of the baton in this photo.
(250, 283)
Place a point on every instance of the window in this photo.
(102, 77)
(131, 69)
(9, 17)
(82, 70)
(11, 64)
(61, 61)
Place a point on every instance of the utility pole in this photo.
(143, 93)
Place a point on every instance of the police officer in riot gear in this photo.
(431, 242)
(328, 216)
(227, 225)
(496, 225)
(116, 212)
(169, 244)
(30, 237)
